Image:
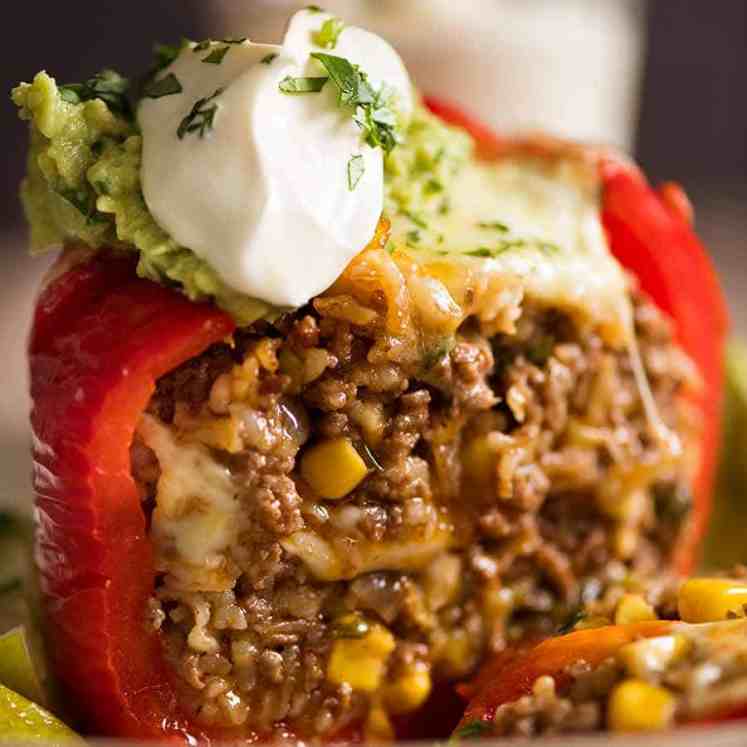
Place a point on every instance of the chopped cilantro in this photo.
(494, 225)
(372, 108)
(268, 58)
(207, 43)
(483, 251)
(415, 218)
(437, 353)
(217, 55)
(108, 85)
(413, 237)
(433, 187)
(166, 86)
(356, 169)
(574, 619)
(301, 85)
(200, 119)
(314, 9)
(165, 54)
(471, 729)
(327, 36)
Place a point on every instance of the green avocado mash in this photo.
(83, 182)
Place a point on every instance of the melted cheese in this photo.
(349, 558)
(195, 520)
(557, 251)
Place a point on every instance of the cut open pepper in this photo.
(650, 234)
(101, 337)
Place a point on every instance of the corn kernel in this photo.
(479, 459)
(633, 608)
(703, 600)
(360, 662)
(635, 705)
(457, 657)
(333, 468)
(653, 655)
(409, 691)
(218, 433)
(378, 727)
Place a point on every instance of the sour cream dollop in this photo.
(264, 193)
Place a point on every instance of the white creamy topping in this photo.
(263, 194)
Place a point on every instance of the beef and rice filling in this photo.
(336, 530)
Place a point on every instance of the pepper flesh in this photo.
(649, 233)
(100, 339)
(511, 674)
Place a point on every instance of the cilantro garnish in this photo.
(329, 33)
(268, 58)
(494, 225)
(574, 619)
(483, 251)
(217, 55)
(301, 85)
(108, 85)
(166, 86)
(372, 108)
(413, 237)
(507, 244)
(356, 169)
(200, 118)
(314, 9)
(471, 729)
(415, 218)
(165, 55)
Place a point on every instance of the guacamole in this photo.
(83, 182)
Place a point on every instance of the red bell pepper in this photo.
(100, 339)
(511, 674)
(650, 234)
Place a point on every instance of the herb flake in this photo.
(165, 54)
(494, 225)
(356, 169)
(268, 58)
(108, 85)
(471, 729)
(328, 34)
(372, 110)
(575, 617)
(166, 86)
(201, 118)
(216, 56)
(301, 85)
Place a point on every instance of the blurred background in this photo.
(662, 78)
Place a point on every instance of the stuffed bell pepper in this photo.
(336, 394)
(634, 662)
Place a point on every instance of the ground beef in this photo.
(577, 495)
